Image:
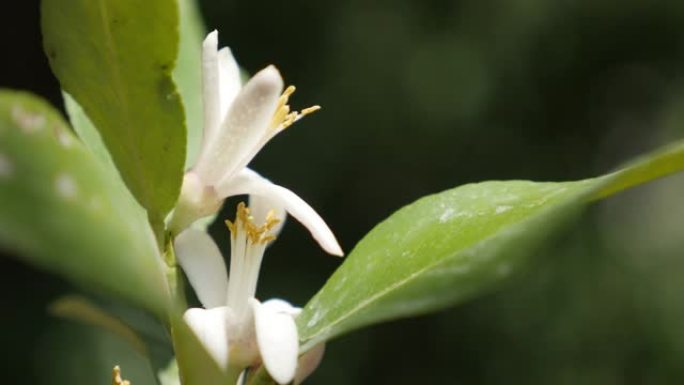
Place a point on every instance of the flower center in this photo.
(255, 234)
(283, 117)
(248, 242)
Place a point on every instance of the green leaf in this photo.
(71, 353)
(446, 248)
(663, 162)
(139, 329)
(115, 58)
(86, 131)
(188, 74)
(81, 309)
(63, 212)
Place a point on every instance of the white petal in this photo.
(308, 362)
(204, 266)
(248, 120)
(210, 93)
(197, 200)
(210, 328)
(277, 338)
(229, 80)
(249, 182)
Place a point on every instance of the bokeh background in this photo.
(419, 96)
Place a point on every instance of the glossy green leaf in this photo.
(115, 58)
(63, 212)
(448, 247)
(188, 74)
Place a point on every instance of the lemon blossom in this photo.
(238, 330)
(238, 122)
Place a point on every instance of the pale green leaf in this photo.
(451, 246)
(63, 212)
(86, 131)
(115, 58)
(188, 74)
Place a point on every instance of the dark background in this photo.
(420, 96)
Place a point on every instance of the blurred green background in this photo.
(419, 96)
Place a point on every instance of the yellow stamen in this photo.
(255, 234)
(310, 110)
(231, 227)
(280, 115)
(283, 118)
(116, 377)
(289, 91)
(289, 119)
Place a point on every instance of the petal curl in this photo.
(210, 328)
(249, 182)
(277, 338)
(204, 266)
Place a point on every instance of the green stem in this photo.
(173, 275)
(158, 228)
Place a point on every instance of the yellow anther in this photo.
(271, 220)
(289, 119)
(116, 377)
(231, 227)
(282, 101)
(282, 117)
(245, 221)
(285, 96)
(310, 110)
(289, 91)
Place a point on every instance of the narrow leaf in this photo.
(115, 58)
(446, 248)
(63, 212)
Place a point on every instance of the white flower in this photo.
(238, 330)
(238, 122)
